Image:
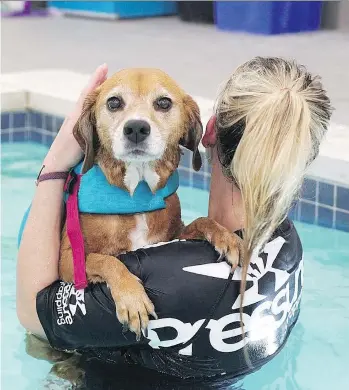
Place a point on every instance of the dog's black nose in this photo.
(136, 130)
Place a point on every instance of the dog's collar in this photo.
(97, 196)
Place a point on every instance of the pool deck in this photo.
(45, 62)
(55, 92)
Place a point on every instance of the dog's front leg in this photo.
(133, 306)
(66, 264)
(228, 244)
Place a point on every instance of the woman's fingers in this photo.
(97, 78)
(65, 151)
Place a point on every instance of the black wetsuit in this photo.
(198, 332)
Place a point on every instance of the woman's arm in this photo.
(37, 265)
(39, 251)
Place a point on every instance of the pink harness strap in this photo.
(74, 232)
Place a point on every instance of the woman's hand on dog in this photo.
(65, 152)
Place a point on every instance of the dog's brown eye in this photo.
(163, 104)
(115, 103)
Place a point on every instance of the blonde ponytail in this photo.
(283, 112)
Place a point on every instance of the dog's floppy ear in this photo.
(85, 131)
(193, 131)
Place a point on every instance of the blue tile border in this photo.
(342, 199)
(59, 122)
(320, 203)
(308, 191)
(186, 158)
(36, 136)
(342, 221)
(48, 139)
(5, 136)
(38, 120)
(49, 123)
(19, 120)
(325, 217)
(184, 177)
(307, 212)
(5, 120)
(20, 136)
(32, 126)
(326, 194)
(199, 181)
(294, 212)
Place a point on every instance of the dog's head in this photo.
(136, 115)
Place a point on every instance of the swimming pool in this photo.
(316, 356)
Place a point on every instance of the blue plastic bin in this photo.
(116, 9)
(268, 17)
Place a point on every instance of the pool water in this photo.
(316, 356)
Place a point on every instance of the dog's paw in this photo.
(229, 246)
(133, 306)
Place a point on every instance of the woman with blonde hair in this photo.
(269, 121)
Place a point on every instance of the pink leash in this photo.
(74, 232)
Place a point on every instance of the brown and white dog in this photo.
(132, 126)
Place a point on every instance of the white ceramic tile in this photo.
(336, 143)
(9, 87)
(13, 101)
(59, 83)
(333, 161)
(50, 104)
(13, 98)
(329, 169)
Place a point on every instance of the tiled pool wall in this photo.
(32, 126)
(321, 203)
